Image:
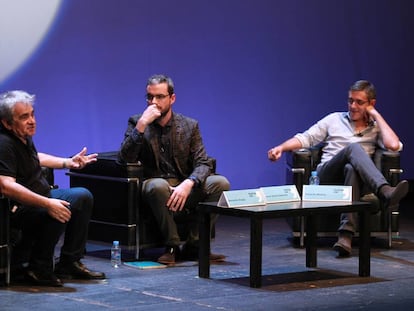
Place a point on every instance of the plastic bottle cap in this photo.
(314, 173)
(116, 243)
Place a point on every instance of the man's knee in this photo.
(215, 185)
(155, 186)
(155, 192)
(80, 198)
(75, 195)
(355, 147)
(349, 170)
(83, 194)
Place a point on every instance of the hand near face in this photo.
(150, 114)
(370, 112)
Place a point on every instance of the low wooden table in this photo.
(308, 209)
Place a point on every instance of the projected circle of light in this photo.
(23, 26)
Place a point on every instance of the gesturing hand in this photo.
(274, 154)
(80, 160)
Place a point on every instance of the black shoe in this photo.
(393, 195)
(170, 255)
(17, 273)
(42, 278)
(77, 270)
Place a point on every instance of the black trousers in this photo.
(34, 235)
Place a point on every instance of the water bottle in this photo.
(314, 179)
(115, 255)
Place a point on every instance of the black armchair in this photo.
(384, 223)
(7, 234)
(4, 241)
(115, 188)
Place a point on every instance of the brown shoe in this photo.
(393, 195)
(170, 255)
(217, 257)
(343, 245)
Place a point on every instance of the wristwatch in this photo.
(194, 179)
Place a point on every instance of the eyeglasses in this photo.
(150, 97)
(359, 102)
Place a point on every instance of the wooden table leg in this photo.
(256, 239)
(364, 242)
(311, 242)
(204, 246)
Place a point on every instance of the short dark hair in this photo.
(160, 78)
(366, 86)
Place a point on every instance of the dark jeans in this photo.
(352, 166)
(35, 234)
(76, 231)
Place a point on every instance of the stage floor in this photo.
(287, 284)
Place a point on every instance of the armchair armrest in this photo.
(108, 165)
(299, 164)
(388, 162)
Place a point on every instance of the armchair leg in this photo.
(389, 233)
(5, 248)
(137, 246)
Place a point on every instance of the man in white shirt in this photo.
(350, 139)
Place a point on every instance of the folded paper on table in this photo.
(259, 196)
(327, 193)
(240, 198)
(276, 194)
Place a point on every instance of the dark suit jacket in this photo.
(188, 150)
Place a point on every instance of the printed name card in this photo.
(277, 194)
(260, 196)
(327, 193)
(240, 198)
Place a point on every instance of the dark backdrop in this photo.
(252, 72)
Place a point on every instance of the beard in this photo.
(163, 114)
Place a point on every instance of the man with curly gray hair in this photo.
(41, 214)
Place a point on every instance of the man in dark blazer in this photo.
(178, 173)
